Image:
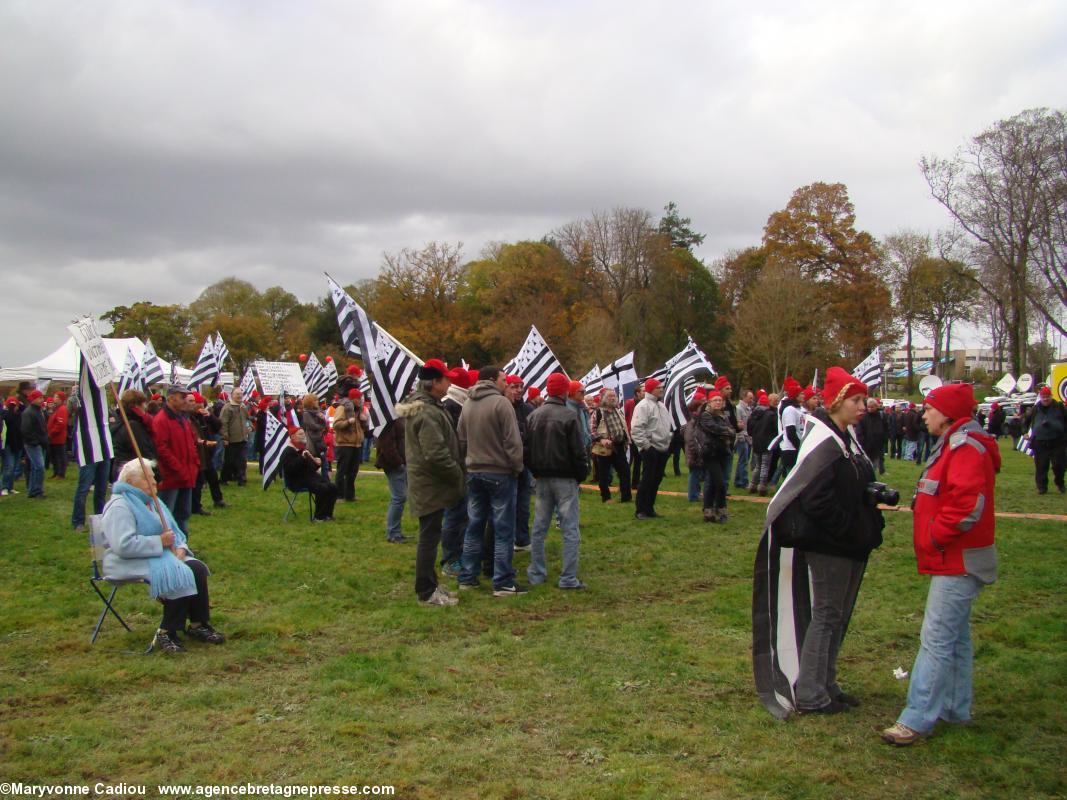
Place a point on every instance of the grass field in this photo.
(639, 688)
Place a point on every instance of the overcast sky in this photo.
(148, 149)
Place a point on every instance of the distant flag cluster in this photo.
(535, 361)
(151, 369)
(92, 437)
(318, 382)
(870, 369)
(206, 371)
(593, 381)
(130, 377)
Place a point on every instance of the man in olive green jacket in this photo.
(435, 473)
(234, 418)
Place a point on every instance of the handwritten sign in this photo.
(278, 376)
(87, 337)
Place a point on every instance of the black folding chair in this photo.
(290, 494)
(98, 546)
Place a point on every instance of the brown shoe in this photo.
(762, 491)
(752, 489)
(710, 515)
(901, 735)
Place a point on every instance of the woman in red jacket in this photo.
(953, 529)
(57, 437)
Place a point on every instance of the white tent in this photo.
(62, 365)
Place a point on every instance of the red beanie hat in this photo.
(199, 398)
(355, 394)
(576, 388)
(1045, 391)
(34, 395)
(353, 369)
(714, 393)
(700, 394)
(433, 369)
(651, 384)
(722, 381)
(954, 400)
(532, 392)
(791, 387)
(808, 393)
(762, 399)
(513, 379)
(558, 385)
(840, 385)
(458, 376)
(472, 377)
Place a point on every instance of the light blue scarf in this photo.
(169, 577)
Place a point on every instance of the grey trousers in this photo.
(835, 582)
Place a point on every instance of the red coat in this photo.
(57, 426)
(179, 460)
(954, 503)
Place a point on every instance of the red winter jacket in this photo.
(953, 505)
(179, 460)
(57, 426)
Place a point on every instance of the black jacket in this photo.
(390, 447)
(871, 432)
(34, 430)
(1048, 425)
(762, 427)
(841, 521)
(298, 470)
(718, 433)
(206, 427)
(13, 426)
(555, 442)
(141, 432)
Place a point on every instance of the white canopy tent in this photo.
(62, 365)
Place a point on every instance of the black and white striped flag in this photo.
(130, 377)
(173, 372)
(592, 381)
(151, 369)
(315, 377)
(248, 383)
(92, 436)
(620, 375)
(870, 369)
(1023, 446)
(682, 367)
(222, 353)
(275, 440)
(344, 306)
(534, 362)
(331, 373)
(206, 370)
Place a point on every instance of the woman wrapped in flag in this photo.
(821, 527)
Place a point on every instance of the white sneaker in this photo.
(439, 598)
(4, 492)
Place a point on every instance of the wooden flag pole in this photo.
(140, 459)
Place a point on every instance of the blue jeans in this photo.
(490, 494)
(35, 484)
(452, 531)
(728, 470)
(523, 492)
(180, 503)
(12, 468)
(941, 678)
(910, 449)
(95, 477)
(367, 442)
(558, 495)
(217, 453)
(742, 449)
(398, 495)
(697, 476)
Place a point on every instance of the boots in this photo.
(709, 515)
(762, 490)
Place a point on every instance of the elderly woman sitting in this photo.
(140, 547)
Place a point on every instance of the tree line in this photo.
(814, 291)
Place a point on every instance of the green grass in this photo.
(640, 687)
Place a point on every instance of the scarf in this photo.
(169, 577)
(613, 423)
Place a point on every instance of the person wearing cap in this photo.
(434, 473)
(762, 425)
(559, 461)
(301, 470)
(13, 449)
(179, 457)
(694, 446)
(206, 427)
(57, 437)
(790, 423)
(524, 484)
(234, 431)
(454, 525)
(954, 527)
(350, 424)
(726, 389)
(34, 441)
(628, 407)
(717, 437)
(650, 429)
(489, 433)
(1048, 439)
(611, 442)
(823, 521)
(534, 398)
(576, 402)
(997, 416)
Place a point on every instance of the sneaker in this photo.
(166, 642)
(439, 598)
(579, 585)
(900, 735)
(80, 529)
(220, 504)
(510, 590)
(4, 492)
(447, 592)
(848, 699)
(452, 569)
(466, 586)
(397, 540)
(723, 516)
(641, 516)
(205, 633)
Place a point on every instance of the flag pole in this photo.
(140, 460)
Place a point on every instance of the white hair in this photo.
(131, 468)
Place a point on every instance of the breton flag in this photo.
(130, 377)
(683, 367)
(207, 366)
(1024, 445)
(92, 437)
(275, 440)
(593, 381)
(315, 377)
(173, 372)
(222, 352)
(534, 362)
(620, 375)
(870, 369)
(390, 367)
(331, 373)
(151, 369)
(290, 417)
(248, 383)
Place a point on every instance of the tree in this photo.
(247, 338)
(1007, 189)
(167, 326)
(227, 296)
(676, 228)
(737, 271)
(948, 292)
(280, 306)
(904, 250)
(816, 233)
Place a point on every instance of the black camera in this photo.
(881, 493)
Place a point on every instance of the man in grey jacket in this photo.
(489, 434)
(650, 429)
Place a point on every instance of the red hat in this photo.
(513, 379)
(434, 368)
(791, 387)
(199, 397)
(994, 407)
(1045, 391)
(353, 369)
(651, 384)
(355, 394)
(954, 400)
(762, 399)
(532, 392)
(34, 395)
(808, 392)
(255, 393)
(840, 385)
(157, 396)
(722, 381)
(576, 388)
(472, 377)
(559, 385)
(294, 429)
(264, 404)
(61, 396)
(458, 376)
(700, 394)
(714, 393)
(12, 401)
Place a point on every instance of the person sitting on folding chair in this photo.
(301, 472)
(140, 547)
